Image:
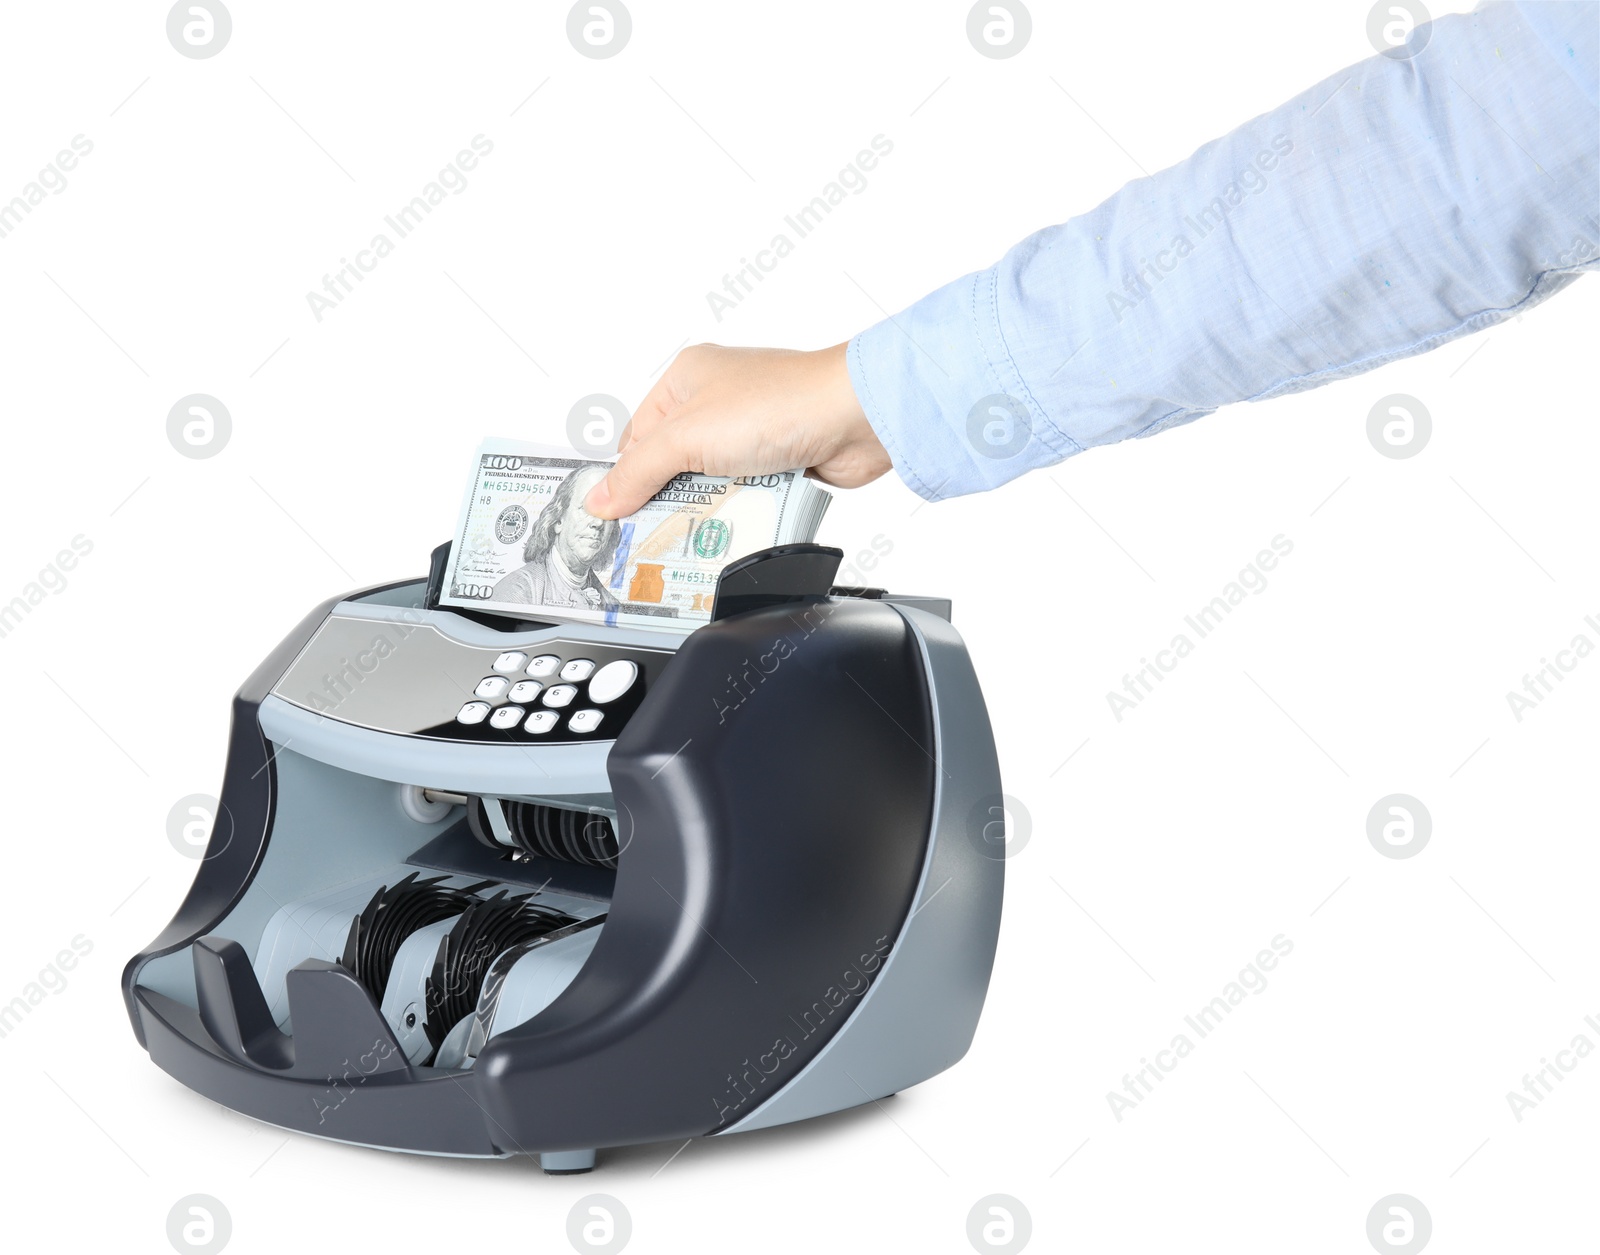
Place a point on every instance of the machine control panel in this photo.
(414, 678)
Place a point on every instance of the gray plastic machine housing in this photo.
(760, 884)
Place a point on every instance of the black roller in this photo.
(393, 914)
(478, 825)
(486, 929)
(539, 831)
(584, 837)
(597, 839)
(547, 825)
(569, 836)
(524, 819)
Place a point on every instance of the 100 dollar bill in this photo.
(526, 547)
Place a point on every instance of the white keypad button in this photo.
(612, 681)
(585, 720)
(492, 686)
(560, 695)
(525, 690)
(542, 720)
(512, 662)
(506, 717)
(472, 712)
(578, 670)
(543, 665)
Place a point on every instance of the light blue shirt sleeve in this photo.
(1395, 206)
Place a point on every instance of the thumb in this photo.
(639, 473)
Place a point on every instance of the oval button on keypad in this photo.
(612, 681)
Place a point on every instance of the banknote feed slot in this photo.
(478, 938)
(526, 548)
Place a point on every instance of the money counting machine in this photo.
(478, 886)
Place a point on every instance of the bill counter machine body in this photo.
(483, 887)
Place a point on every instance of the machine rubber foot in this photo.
(566, 1163)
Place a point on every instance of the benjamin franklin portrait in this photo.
(566, 548)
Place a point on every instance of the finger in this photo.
(625, 435)
(660, 401)
(638, 475)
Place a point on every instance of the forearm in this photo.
(1395, 206)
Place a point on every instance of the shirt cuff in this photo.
(939, 387)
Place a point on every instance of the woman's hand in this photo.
(722, 411)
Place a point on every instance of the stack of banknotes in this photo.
(526, 547)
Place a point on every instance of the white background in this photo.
(1230, 807)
